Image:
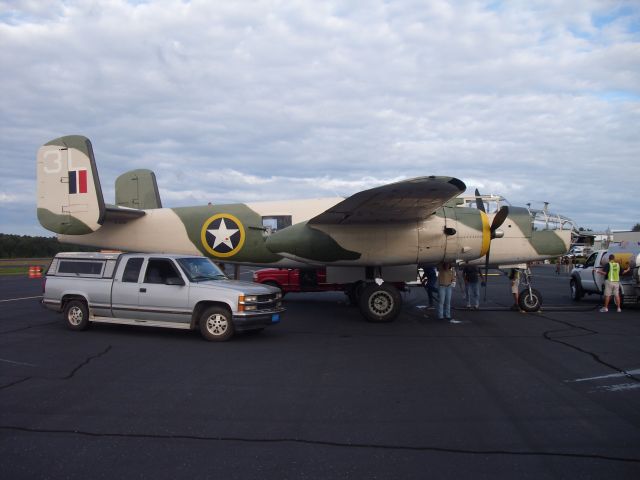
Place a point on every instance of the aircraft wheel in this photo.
(576, 290)
(530, 301)
(380, 303)
(76, 315)
(216, 324)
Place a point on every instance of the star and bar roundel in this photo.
(222, 235)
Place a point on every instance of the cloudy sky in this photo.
(234, 101)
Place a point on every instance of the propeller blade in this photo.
(486, 272)
(479, 202)
(499, 219)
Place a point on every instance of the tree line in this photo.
(24, 246)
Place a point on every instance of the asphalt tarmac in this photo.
(324, 394)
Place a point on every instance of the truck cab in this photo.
(585, 279)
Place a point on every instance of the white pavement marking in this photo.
(17, 363)
(613, 375)
(16, 299)
(621, 387)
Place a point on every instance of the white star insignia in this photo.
(222, 235)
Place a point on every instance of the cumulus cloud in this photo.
(538, 101)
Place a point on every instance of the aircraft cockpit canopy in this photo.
(492, 203)
(546, 220)
(542, 219)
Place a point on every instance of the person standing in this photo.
(611, 271)
(471, 275)
(446, 283)
(429, 280)
(514, 277)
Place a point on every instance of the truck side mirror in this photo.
(174, 281)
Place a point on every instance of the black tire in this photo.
(354, 292)
(530, 301)
(216, 324)
(380, 303)
(576, 290)
(76, 315)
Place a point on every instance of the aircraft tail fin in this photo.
(70, 198)
(138, 189)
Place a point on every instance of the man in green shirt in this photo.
(611, 271)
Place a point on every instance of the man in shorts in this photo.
(514, 278)
(611, 271)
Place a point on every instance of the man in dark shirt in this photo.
(472, 277)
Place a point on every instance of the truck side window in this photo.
(159, 270)
(132, 270)
(81, 267)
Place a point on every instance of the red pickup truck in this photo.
(307, 280)
(297, 280)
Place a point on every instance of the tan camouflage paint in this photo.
(181, 230)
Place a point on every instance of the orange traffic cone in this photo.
(35, 272)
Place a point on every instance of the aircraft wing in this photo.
(407, 200)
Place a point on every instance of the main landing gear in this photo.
(378, 303)
(529, 299)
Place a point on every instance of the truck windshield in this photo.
(200, 269)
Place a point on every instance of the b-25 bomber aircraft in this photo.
(369, 240)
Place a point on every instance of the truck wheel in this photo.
(380, 303)
(530, 301)
(216, 324)
(76, 315)
(576, 290)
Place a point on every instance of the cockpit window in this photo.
(492, 203)
(273, 223)
(545, 220)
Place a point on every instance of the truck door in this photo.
(125, 290)
(589, 278)
(164, 294)
(598, 278)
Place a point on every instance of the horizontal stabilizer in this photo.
(115, 213)
(408, 200)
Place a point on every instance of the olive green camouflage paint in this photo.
(138, 189)
(78, 142)
(306, 242)
(65, 224)
(547, 242)
(254, 248)
(522, 218)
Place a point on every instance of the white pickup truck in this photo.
(585, 281)
(158, 290)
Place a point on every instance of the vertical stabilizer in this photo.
(69, 195)
(138, 189)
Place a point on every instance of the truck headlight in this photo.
(247, 303)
